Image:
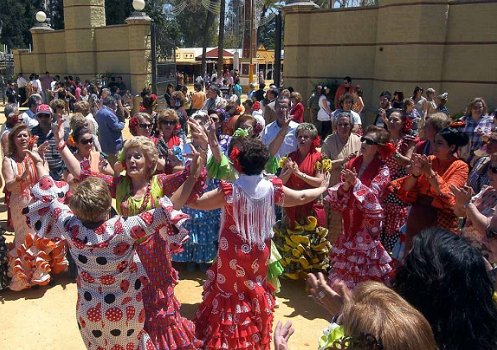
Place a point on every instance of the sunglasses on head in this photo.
(168, 122)
(145, 126)
(368, 141)
(86, 142)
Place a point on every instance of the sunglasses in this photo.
(493, 169)
(86, 142)
(145, 126)
(368, 141)
(168, 122)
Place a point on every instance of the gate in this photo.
(164, 52)
(6, 73)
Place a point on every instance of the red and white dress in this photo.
(237, 307)
(111, 278)
(358, 254)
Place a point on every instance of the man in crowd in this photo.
(213, 101)
(259, 94)
(270, 109)
(346, 86)
(22, 83)
(29, 116)
(279, 135)
(384, 110)
(44, 132)
(109, 129)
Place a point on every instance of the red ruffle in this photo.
(236, 322)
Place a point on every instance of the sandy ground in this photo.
(44, 318)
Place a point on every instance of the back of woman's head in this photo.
(253, 154)
(446, 279)
(378, 311)
(91, 200)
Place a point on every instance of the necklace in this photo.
(146, 199)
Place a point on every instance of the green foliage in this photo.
(116, 11)
(16, 18)
(191, 22)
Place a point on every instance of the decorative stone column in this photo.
(139, 50)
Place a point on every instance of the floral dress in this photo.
(237, 307)
(358, 255)
(32, 258)
(112, 279)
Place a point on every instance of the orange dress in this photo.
(429, 208)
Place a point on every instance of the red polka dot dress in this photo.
(111, 277)
(237, 307)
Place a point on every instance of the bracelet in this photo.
(60, 148)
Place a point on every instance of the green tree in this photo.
(16, 18)
(191, 23)
(116, 11)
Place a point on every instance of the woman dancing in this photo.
(237, 307)
(112, 279)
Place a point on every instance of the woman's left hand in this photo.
(425, 165)
(196, 164)
(463, 195)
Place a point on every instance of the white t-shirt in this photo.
(323, 116)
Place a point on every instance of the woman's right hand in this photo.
(58, 130)
(333, 298)
(196, 163)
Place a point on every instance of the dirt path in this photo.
(44, 318)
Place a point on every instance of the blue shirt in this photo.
(109, 130)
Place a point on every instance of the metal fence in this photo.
(6, 73)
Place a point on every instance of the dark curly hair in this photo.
(253, 154)
(446, 279)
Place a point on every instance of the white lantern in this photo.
(139, 5)
(41, 16)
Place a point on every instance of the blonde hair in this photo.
(55, 104)
(379, 311)
(11, 150)
(82, 107)
(439, 121)
(168, 114)
(475, 101)
(78, 120)
(297, 96)
(91, 200)
(147, 147)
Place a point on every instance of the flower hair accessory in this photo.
(315, 143)
(240, 133)
(387, 150)
(134, 122)
(70, 141)
(457, 124)
(234, 157)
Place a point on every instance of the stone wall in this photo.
(87, 47)
(398, 44)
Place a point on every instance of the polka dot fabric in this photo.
(111, 277)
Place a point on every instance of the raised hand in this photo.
(333, 298)
(463, 195)
(198, 134)
(425, 165)
(196, 164)
(58, 130)
(326, 180)
(282, 334)
(349, 176)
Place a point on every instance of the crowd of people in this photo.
(392, 224)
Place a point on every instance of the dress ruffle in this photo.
(32, 262)
(243, 322)
(359, 259)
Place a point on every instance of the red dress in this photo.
(237, 307)
(358, 254)
(308, 167)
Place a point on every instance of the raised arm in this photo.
(294, 198)
(72, 164)
(209, 201)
